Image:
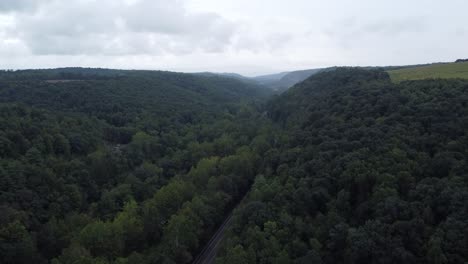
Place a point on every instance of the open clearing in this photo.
(434, 71)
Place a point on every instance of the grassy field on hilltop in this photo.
(444, 71)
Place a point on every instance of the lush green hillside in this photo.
(362, 171)
(433, 71)
(104, 166)
(119, 97)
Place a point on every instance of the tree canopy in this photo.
(110, 166)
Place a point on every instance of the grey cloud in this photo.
(117, 28)
(251, 40)
(89, 45)
(395, 26)
(209, 31)
(20, 5)
(67, 19)
(460, 32)
(351, 30)
(158, 16)
(279, 40)
(232, 35)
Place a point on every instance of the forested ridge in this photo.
(132, 167)
(367, 171)
(110, 166)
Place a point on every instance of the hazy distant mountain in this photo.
(284, 80)
(270, 78)
(278, 81)
(233, 75)
(294, 77)
(225, 74)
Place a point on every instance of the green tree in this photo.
(16, 244)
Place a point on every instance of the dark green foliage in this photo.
(96, 165)
(107, 166)
(368, 172)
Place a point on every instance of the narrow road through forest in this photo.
(208, 254)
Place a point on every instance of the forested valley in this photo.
(110, 166)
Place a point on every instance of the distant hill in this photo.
(224, 74)
(233, 75)
(284, 80)
(295, 77)
(83, 89)
(270, 78)
(278, 82)
(432, 71)
(293, 105)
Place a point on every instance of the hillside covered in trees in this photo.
(102, 166)
(363, 171)
(109, 166)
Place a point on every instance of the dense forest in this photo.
(105, 166)
(110, 166)
(365, 171)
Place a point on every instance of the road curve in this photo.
(208, 254)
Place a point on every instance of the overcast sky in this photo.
(245, 36)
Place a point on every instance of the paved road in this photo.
(208, 254)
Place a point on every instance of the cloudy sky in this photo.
(245, 36)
